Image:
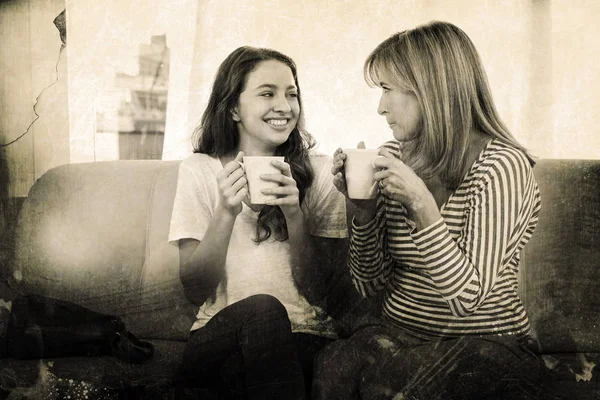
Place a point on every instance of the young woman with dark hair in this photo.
(217, 135)
(255, 269)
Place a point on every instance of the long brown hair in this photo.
(218, 135)
(440, 65)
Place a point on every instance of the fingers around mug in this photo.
(231, 178)
(283, 201)
(336, 167)
(385, 182)
(239, 184)
(279, 178)
(339, 181)
(395, 188)
(391, 189)
(339, 155)
(285, 195)
(281, 191)
(230, 167)
(283, 167)
(338, 163)
(382, 162)
(242, 192)
(382, 174)
(384, 151)
(231, 190)
(225, 172)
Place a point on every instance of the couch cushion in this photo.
(560, 271)
(161, 299)
(96, 234)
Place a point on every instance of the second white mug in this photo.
(359, 171)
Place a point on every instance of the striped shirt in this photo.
(457, 276)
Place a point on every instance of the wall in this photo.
(535, 53)
(33, 72)
(33, 104)
(575, 78)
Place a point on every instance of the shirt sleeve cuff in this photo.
(363, 231)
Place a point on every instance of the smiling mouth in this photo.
(277, 122)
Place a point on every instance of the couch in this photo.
(96, 234)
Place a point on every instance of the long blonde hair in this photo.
(440, 65)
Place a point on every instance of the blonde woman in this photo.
(441, 243)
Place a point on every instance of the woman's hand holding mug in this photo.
(288, 195)
(233, 187)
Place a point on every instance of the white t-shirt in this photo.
(257, 268)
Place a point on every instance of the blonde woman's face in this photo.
(400, 108)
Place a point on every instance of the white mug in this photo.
(255, 166)
(359, 170)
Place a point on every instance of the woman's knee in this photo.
(263, 304)
(264, 314)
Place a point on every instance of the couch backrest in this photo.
(560, 270)
(96, 234)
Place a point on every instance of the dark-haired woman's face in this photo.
(268, 108)
(400, 108)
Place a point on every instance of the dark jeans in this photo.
(248, 350)
(381, 361)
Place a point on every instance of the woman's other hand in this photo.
(233, 187)
(288, 195)
(399, 182)
(339, 178)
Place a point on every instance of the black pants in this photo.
(380, 361)
(249, 350)
(43, 327)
